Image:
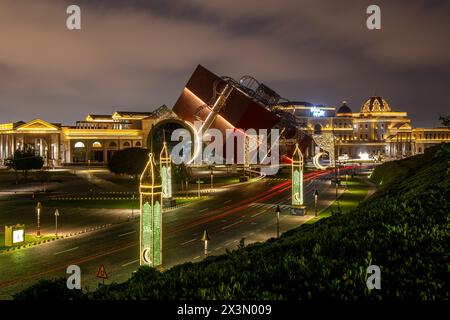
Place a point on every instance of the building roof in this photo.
(98, 117)
(375, 104)
(344, 109)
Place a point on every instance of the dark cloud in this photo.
(137, 55)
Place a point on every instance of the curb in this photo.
(67, 235)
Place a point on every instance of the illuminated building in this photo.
(375, 131)
(94, 140)
(223, 103)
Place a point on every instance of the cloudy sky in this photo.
(137, 55)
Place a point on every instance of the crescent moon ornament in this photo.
(145, 256)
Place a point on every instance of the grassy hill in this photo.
(403, 228)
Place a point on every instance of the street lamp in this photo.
(38, 212)
(316, 195)
(56, 221)
(212, 178)
(132, 207)
(199, 182)
(278, 220)
(205, 239)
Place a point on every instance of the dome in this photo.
(375, 104)
(344, 109)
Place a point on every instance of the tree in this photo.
(183, 173)
(130, 161)
(445, 120)
(24, 160)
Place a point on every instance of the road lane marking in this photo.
(257, 214)
(197, 257)
(203, 210)
(131, 262)
(230, 225)
(124, 234)
(188, 241)
(227, 201)
(75, 248)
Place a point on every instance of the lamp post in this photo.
(132, 207)
(56, 221)
(205, 239)
(212, 178)
(278, 220)
(38, 214)
(198, 183)
(316, 195)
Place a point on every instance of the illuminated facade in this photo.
(93, 140)
(375, 131)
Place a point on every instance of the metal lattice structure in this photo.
(325, 141)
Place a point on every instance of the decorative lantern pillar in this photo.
(150, 190)
(165, 170)
(297, 182)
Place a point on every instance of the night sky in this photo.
(137, 55)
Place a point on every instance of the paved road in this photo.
(245, 211)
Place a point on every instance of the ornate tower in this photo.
(151, 219)
(165, 169)
(297, 182)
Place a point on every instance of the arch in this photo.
(138, 144)
(112, 144)
(79, 144)
(155, 136)
(96, 144)
(317, 128)
(126, 144)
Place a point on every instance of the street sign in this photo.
(102, 272)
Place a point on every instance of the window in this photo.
(126, 144)
(113, 144)
(317, 129)
(79, 144)
(137, 144)
(367, 126)
(96, 144)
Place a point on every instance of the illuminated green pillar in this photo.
(165, 169)
(297, 182)
(151, 219)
